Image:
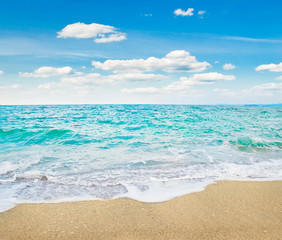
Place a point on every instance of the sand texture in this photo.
(226, 210)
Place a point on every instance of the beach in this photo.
(225, 210)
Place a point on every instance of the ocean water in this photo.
(150, 153)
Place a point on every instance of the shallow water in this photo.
(146, 152)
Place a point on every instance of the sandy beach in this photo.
(225, 210)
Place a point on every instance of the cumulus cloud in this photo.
(98, 79)
(174, 61)
(198, 79)
(269, 87)
(134, 77)
(270, 67)
(180, 12)
(228, 66)
(266, 89)
(99, 32)
(82, 80)
(185, 83)
(45, 72)
(111, 38)
(1, 72)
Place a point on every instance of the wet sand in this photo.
(225, 210)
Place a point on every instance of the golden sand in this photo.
(226, 210)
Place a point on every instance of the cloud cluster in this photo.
(185, 83)
(198, 79)
(45, 72)
(269, 87)
(98, 79)
(188, 12)
(1, 72)
(270, 67)
(99, 32)
(228, 66)
(174, 61)
(180, 12)
(95, 79)
(265, 89)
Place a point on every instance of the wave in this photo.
(111, 122)
(247, 144)
(28, 137)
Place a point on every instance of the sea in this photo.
(150, 153)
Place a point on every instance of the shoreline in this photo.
(224, 210)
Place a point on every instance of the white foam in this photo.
(164, 191)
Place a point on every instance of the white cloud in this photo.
(266, 89)
(246, 39)
(101, 33)
(48, 86)
(87, 79)
(269, 87)
(185, 83)
(147, 90)
(279, 78)
(111, 38)
(228, 66)
(45, 72)
(98, 79)
(134, 77)
(271, 67)
(78, 73)
(174, 61)
(15, 86)
(198, 79)
(180, 12)
(201, 13)
(1, 72)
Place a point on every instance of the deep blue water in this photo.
(146, 152)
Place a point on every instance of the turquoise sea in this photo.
(150, 153)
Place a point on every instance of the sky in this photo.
(140, 52)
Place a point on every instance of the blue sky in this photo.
(178, 52)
